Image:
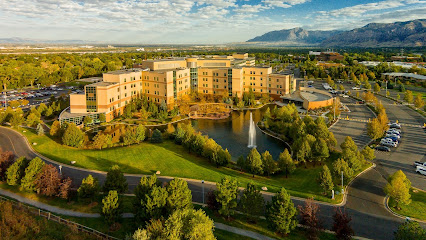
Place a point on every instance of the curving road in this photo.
(364, 203)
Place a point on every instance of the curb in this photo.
(345, 197)
(386, 203)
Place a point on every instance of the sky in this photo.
(191, 21)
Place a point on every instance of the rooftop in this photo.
(118, 72)
(101, 84)
(409, 75)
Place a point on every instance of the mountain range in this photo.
(398, 34)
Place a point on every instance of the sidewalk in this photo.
(71, 213)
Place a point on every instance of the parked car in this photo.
(393, 135)
(345, 96)
(421, 170)
(394, 125)
(356, 88)
(394, 139)
(383, 148)
(395, 131)
(420, 164)
(389, 144)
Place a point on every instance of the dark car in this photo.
(383, 148)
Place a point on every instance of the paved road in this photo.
(412, 147)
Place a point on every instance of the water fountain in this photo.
(252, 133)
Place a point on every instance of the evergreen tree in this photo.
(155, 202)
(226, 194)
(254, 162)
(326, 181)
(179, 195)
(16, 171)
(89, 187)
(156, 137)
(269, 165)
(115, 180)
(281, 213)
(140, 133)
(111, 208)
(285, 162)
(142, 191)
(251, 202)
(320, 150)
(241, 162)
(40, 129)
(31, 172)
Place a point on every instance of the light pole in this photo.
(60, 169)
(342, 184)
(334, 114)
(202, 184)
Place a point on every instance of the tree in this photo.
(16, 119)
(142, 194)
(40, 129)
(268, 164)
(140, 133)
(376, 88)
(16, 171)
(31, 172)
(73, 136)
(64, 188)
(189, 224)
(241, 162)
(47, 182)
(87, 121)
(101, 140)
(89, 187)
(398, 188)
(281, 213)
(32, 119)
(320, 150)
(341, 225)
(418, 101)
(226, 194)
(309, 215)
(326, 181)
(398, 97)
(6, 159)
(368, 153)
(102, 118)
(179, 195)
(285, 162)
(408, 96)
(55, 129)
(254, 162)
(339, 166)
(115, 180)
(374, 129)
(154, 204)
(410, 230)
(252, 202)
(111, 208)
(156, 137)
(401, 88)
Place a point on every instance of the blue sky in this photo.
(191, 21)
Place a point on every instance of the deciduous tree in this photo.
(31, 172)
(73, 136)
(410, 230)
(309, 215)
(55, 129)
(398, 189)
(48, 180)
(64, 188)
(341, 225)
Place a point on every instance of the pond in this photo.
(233, 133)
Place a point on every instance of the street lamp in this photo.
(202, 184)
(342, 184)
(60, 169)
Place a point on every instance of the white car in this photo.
(393, 131)
(356, 88)
(389, 144)
(421, 170)
(345, 96)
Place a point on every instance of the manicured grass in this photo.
(173, 160)
(261, 226)
(417, 207)
(128, 225)
(74, 203)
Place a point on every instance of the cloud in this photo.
(282, 4)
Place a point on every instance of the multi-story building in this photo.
(166, 80)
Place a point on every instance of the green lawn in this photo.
(417, 207)
(74, 203)
(173, 160)
(261, 226)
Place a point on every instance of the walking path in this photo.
(71, 213)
